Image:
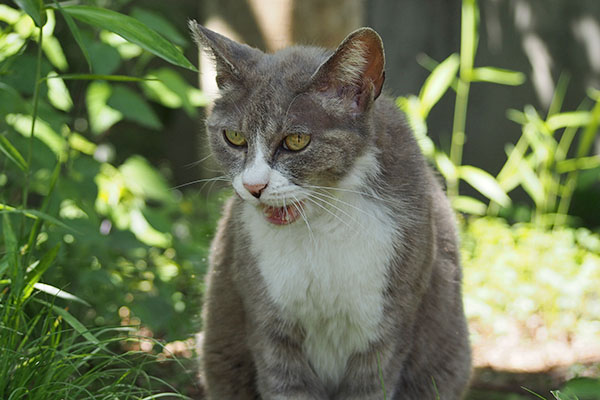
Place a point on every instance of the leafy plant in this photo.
(575, 389)
(49, 200)
(543, 161)
(458, 72)
(131, 237)
(46, 351)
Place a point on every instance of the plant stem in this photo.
(36, 98)
(585, 142)
(468, 44)
(458, 130)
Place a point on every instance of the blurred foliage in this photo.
(519, 271)
(546, 160)
(131, 239)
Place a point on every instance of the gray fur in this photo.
(250, 350)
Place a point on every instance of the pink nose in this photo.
(255, 190)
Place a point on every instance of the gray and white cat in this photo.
(335, 272)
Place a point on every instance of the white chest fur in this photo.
(330, 279)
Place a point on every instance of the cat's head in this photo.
(288, 124)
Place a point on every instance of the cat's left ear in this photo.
(355, 72)
(231, 58)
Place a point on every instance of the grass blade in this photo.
(533, 393)
(56, 292)
(39, 270)
(10, 241)
(132, 30)
(12, 153)
(380, 371)
(73, 322)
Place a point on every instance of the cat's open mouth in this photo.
(282, 215)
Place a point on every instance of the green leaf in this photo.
(58, 94)
(558, 395)
(11, 101)
(76, 34)
(590, 132)
(559, 94)
(579, 163)
(54, 52)
(144, 180)
(12, 256)
(468, 205)
(74, 322)
(531, 183)
(445, 166)
(484, 183)
(100, 77)
(543, 146)
(159, 24)
(35, 275)
(516, 116)
(12, 153)
(133, 107)
(101, 116)
(3, 265)
(131, 30)
(43, 131)
(567, 119)
(497, 75)
(468, 37)
(60, 293)
(438, 83)
(35, 9)
(585, 388)
(10, 241)
(170, 89)
(35, 214)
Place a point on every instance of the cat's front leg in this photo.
(371, 375)
(283, 372)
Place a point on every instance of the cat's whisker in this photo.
(205, 181)
(326, 195)
(312, 197)
(198, 162)
(359, 192)
(329, 211)
(298, 206)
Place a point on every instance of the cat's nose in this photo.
(255, 190)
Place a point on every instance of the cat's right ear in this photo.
(355, 72)
(231, 58)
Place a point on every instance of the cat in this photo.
(334, 272)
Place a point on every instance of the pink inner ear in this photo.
(374, 71)
(355, 71)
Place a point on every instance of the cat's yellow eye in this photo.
(296, 141)
(235, 138)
